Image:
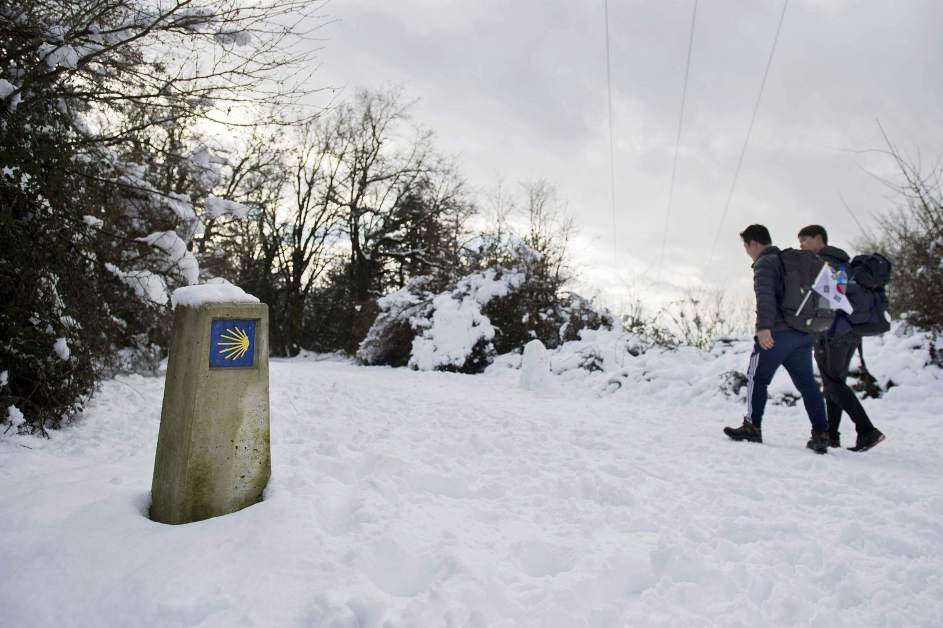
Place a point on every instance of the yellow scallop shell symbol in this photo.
(234, 343)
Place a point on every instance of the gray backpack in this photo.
(804, 309)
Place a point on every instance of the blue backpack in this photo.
(868, 276)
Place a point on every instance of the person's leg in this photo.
(798, 364)
(833, 411)
(841, 350)
(763, 365)
(833, 408)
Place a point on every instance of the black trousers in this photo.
(833, 356)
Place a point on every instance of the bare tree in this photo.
(304, 239)
(912, 238)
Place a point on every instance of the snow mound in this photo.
(535, 366)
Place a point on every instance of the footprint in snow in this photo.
(394, 570)
(539, 559)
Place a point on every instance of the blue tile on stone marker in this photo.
(232, 343)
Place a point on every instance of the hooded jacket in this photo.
(768, 287)
(834, 256)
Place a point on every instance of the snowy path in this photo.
(405, 499)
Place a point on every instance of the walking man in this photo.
(834, 349)
(776, 344)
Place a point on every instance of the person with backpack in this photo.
(783, 336)
(835, 347)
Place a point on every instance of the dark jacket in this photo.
(768, 287)
(836, 258)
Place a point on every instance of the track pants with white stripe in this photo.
(793, 350)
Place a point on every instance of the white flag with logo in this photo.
(827, 285)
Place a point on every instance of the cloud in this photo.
(518, 91)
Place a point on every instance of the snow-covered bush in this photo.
(456, 335)
(613, 362)
(446, 331)
(390, 339)
(464, 326)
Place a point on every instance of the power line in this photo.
(674, 163)
(746, 141)
(612, 152)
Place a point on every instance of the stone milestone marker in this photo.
(213, 455)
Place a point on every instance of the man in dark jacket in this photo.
(834, 350)
(776, 344)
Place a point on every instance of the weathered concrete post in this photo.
(213, 454)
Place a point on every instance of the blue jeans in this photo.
(793, 350)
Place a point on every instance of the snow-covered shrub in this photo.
(390, 339)
(464, 326)
(456, 334)
(732, 382)
(445, 331)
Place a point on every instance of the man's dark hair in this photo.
(814, 230)
(756, 233)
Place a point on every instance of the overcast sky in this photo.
(517, 91)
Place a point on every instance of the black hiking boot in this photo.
(834, 440)
(868, 441)
(747, 431)
(819, 442)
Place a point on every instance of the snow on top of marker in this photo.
(215, 291)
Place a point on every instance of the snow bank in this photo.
(215, 291)
(604, 362)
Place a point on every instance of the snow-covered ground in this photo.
(411, 499)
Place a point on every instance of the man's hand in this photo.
(765, 338)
